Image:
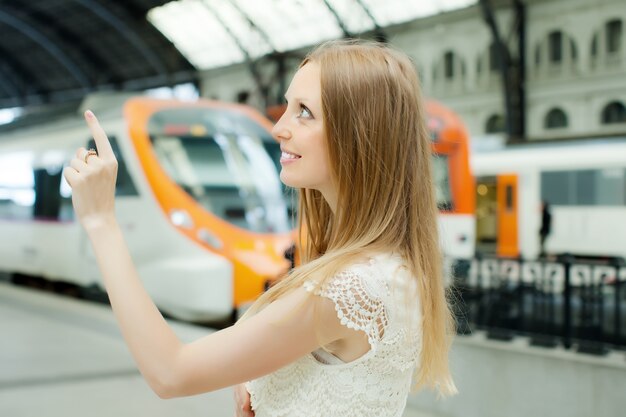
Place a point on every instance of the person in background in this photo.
(364, 317)
(546, 227)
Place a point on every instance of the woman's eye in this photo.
(304, 112)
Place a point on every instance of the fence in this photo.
(580, 305)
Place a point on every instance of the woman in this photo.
(345, 332)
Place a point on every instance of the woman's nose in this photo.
(280, 130)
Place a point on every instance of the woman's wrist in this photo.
(96, 225)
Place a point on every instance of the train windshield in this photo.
(218, 157)
(442, 182)
(289, 193)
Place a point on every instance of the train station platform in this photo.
(64, 357)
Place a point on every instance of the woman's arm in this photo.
(278, 335)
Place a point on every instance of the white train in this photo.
(198, 197)
(584, 183)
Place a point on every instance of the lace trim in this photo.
(358, 301)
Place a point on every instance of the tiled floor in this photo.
(65, 357)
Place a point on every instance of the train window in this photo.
(223, 159)
(266, 178)
(510, 203)
(585, 187)
(600, 187)
(124, 185)
(66, 211)
(289, 194)
(606, 187)
(47, 192)
(557, 188)
(610, 187)
(214, 172)
(205, 122)
(17, 186)
(442, 182)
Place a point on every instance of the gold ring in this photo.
(89, 153)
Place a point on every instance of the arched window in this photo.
(448, 65)
(538, 55)
(493, 57)
(495, 124)
(594, 46)
(573, 49)
(614, 112)
(613, 36)
(555, 47)
(555, 119)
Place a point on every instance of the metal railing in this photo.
(567, 302)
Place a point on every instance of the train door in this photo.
(496, 215)
(52, 238)
(486, 214)
(507, 216)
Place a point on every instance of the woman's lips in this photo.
(286, 157)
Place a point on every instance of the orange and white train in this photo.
(198, 198)
(584, 183)
(454, 184)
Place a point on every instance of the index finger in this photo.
(103, 146)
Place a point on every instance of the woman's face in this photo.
(300, 132)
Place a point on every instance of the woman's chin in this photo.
(287, 181)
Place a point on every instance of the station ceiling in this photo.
(59, 50)
(55, 51)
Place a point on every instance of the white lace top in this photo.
(369, 297)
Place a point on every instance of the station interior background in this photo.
(539, 88)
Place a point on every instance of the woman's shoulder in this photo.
(360, 268)
(379, 269)
(378, 262)
(368, 280)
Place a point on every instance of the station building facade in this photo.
(575, 67)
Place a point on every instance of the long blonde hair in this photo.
(380, 153)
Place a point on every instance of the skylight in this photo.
(216, 33)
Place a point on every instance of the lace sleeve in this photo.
(358, 299)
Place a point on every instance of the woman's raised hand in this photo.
(242, 402)
(92, 178)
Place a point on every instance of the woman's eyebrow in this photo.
(301, 99)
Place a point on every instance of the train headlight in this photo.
(181, 218)
(209, 238)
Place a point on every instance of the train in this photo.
(198, 199)
(582, 181)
